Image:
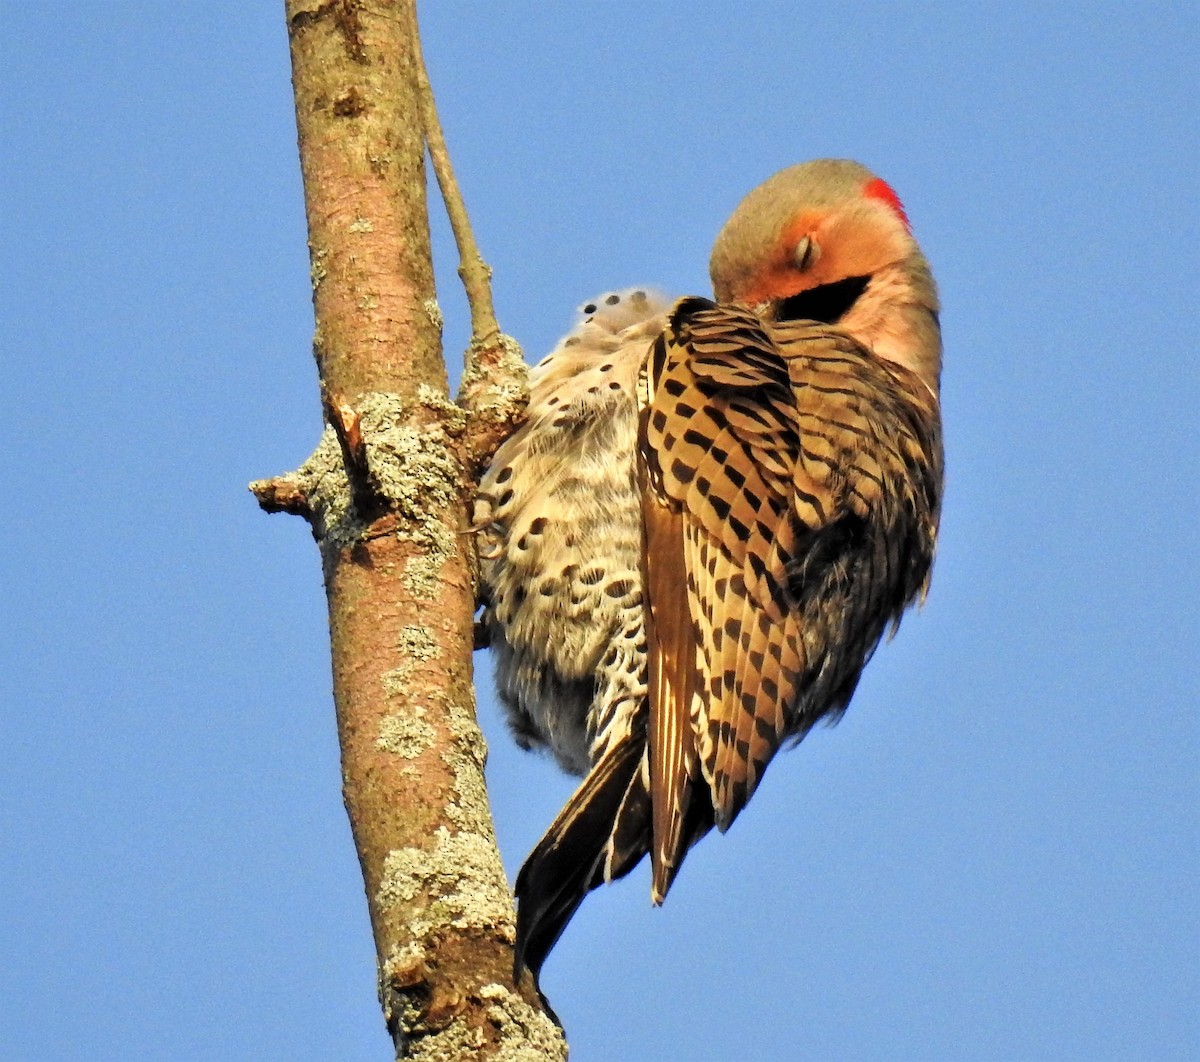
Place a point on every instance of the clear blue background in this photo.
(995, 855)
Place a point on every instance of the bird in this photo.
(713, 512)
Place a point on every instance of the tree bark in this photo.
(387, 492)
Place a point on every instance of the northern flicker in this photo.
(711, 516)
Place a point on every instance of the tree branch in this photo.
(494, 389)
(386, 493)
(475, 273)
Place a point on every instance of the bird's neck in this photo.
(896, 318)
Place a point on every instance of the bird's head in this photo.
(830, 241)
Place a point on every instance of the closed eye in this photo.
(826, 302)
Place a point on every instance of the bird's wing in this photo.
(718, 450)
(726, 496)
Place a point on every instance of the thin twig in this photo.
(476, 274)
(495, 381)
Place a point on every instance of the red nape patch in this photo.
(880, 189)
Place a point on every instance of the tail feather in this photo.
(631, 831)
(601, 834)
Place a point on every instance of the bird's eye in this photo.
(806, 253)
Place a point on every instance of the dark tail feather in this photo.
(698, 820)
(601, 835)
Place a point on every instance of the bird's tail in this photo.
(601, 835)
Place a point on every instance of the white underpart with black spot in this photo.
(561, 539)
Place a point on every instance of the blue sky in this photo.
(994, 856)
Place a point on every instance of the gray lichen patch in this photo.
(481, 899)
(361, 225)
(412, 465)
(466, 757)
(434, 312)
(510, 363)
(461, 880)
(451, 414)
(526, 1033)
(456, 1041)
(522, 1035)
(422, 576)
(415, 645)
(328, 492)
(402, 876)
(418, 643)
(470, 810)
(316, 266)
(405, 965)
(413, 470)
(406, 734)
(512, 357)
(395, 682)
(518, 1032)
(422, 573)
(496, 393)
(465, 729)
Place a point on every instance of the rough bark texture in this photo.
(386, 492)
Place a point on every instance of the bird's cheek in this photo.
(776, 283)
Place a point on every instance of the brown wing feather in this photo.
(790, 496)
(671, 678)
(790, 488)
(719, 449)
